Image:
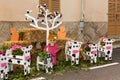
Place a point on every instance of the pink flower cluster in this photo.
(16, 47)
(1, 52)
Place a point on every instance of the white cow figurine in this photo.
(20, 60)
(92, 53)
(3, 67)
(72, 50)
(107, 48)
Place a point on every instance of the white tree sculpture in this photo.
(50, 21)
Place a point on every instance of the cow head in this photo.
(26, 51)
(108, 43)
(75, 46)
(93, 48)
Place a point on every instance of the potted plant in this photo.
(4, 48)
(86, 46)
(16, 50)
(41, 55)
(21, 35)
(102, 43)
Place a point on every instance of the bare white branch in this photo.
(56, 26)
(53, 24)
(37, 27)
(30, 17)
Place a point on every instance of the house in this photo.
(101, 17)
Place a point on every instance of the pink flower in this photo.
(16, 47)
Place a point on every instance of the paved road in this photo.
(108, 73)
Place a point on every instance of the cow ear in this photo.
(113, 40)
(30, 46)
(80, 42)
(23, 48)
(97, 45)
(90, 45)
(70, 43)
(105, 40)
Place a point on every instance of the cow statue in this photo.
(3, 66)
(107, 48)
(72, 50)
(20, 60)
(92, 53)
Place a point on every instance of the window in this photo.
(52, 5)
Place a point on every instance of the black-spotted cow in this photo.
(107, 48)
(20, 60)
(92, 53)
(3, 67)
(72, 51)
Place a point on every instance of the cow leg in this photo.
(1, 74)
(46, 68)
(110, 56)
(6, 72)
(37, 64)
(91, 58)
(72, 60)
(77, 58)
(25, 70)
(28, 66)
(106, 56)
(66, 57)
(95, 58)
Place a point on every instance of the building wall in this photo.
(12, 15)
(95, 10)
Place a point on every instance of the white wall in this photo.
(95, 10)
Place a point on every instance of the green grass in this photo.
(61, 67)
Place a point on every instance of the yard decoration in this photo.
(72, 50)
(46, 63)
(51, 21)
(3, 66)
(14, 34)
(92, 52)
(107, 48)
(21, 60)
(16, 50)
(41, 55)
(3, 48)
(52, 48)
(61, 33)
